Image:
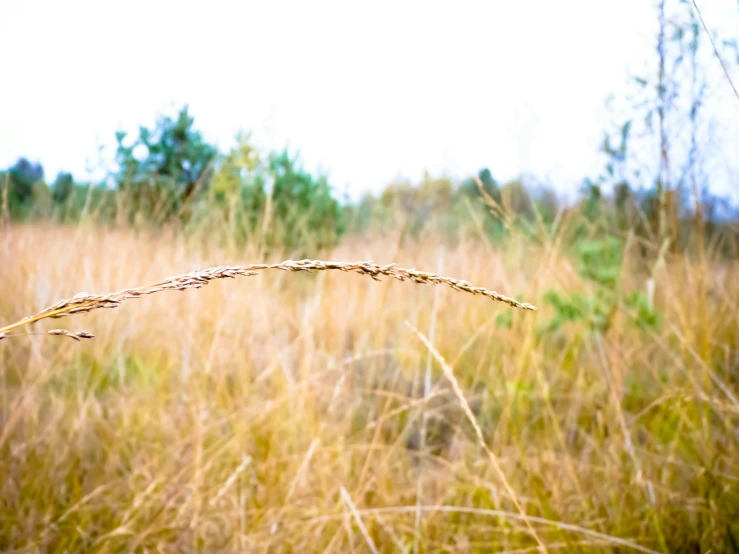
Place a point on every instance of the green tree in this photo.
(490, 187)
(301, 205)
(271, 199)
(234, 172)
(162, 171)
(21, 180)
(62, 188)
(517, 200)
(235, 197)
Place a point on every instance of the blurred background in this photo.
(377, 96)
(581, 156)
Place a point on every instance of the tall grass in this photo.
(283, 413)
(84, 302)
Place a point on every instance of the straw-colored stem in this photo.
(85, 302)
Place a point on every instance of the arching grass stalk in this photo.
(86, 302)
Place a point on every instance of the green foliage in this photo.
(486, 181)
(164, 167)
(235, 172)
(484, 196)
(600, 260)
(41, 203)
(441, 206)
(170, 174)
(643, 314)
(504, 320)
(233, 198)
(593, 198)
(600, 264)
(62, 188)
(19, 183)
(301, 202)
(595, 310)
(414, 208)
(272, 198)
(517, 200)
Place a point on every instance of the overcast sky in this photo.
(365, 91)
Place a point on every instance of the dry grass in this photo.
(284, 414)
(84, 302)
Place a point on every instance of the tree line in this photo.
(655, 179)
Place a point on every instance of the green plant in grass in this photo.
(600, 264)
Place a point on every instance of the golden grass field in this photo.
(294, 412)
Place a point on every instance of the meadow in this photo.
(296, 412)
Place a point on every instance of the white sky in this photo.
(365, 91)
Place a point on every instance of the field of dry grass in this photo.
(294, 412)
